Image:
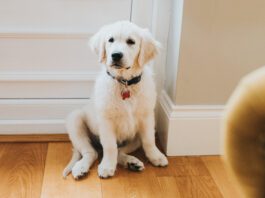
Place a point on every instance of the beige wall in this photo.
(221, 40)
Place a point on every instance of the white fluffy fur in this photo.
(110, 117)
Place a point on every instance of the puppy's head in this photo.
(124, 46)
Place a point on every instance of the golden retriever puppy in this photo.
(121, 112)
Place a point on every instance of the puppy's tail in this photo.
(75, 157)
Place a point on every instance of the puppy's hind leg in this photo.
(75, 157)
(78, 134)
(129, 161)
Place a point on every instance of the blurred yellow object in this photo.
(244, 126)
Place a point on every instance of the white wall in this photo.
(173, 47)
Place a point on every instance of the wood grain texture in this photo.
(21, 169)
(169, 187)
(25, 173)
(54, 185)
(128, 184)
(35, 138)
(192, 178)
(197, 186)
(224, 182)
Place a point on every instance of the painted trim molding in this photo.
(18, 127)
(44, 34)
(189, 129)
(36, 116)
(48, 76)
(26, 85)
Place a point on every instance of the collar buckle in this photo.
(124, 82)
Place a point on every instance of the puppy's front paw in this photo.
(131, 162)
(135, 166)
(159, 160)
(105, 171)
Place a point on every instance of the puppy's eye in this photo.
(130, 42)
(111, 40)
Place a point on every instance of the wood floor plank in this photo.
(184, 166)
(111, 186)
(193, 180)
(54, 185)
(144, 187)
(21, 169)
(169, 187)
(197, 187)
(147, 182)
(132, 184)
(224, 182)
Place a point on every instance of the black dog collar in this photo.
(125, 82)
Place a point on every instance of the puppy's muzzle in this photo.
(117, 60)
(116, 57)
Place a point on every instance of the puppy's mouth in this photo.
(119, 66)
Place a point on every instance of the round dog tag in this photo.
(125, 94)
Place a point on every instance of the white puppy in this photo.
(122, 108)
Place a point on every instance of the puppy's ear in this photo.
(149, 48)
(97, 45)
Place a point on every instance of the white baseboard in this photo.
(189, 129)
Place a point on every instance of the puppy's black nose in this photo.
(116, 56)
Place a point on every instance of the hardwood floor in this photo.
(21, 169)
(35, 170)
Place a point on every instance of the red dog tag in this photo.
(125, 94)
